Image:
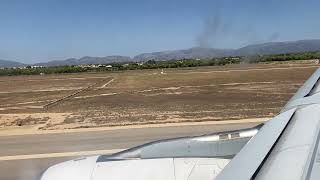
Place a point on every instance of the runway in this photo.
(23, 157)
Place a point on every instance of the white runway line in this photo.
(106, 84)
(245, 70)
(55, 155)
(83, 97)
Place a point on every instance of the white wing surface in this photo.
(286, 147)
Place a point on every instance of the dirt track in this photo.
(143, 97)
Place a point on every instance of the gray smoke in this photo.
(210, 29)
(213, 28)
(274, 37)
(216, 30)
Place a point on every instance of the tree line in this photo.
(158, 64)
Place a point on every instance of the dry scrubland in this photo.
(148, 96)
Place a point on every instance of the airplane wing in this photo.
(286, 147)
(184, 158)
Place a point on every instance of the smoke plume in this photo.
(217, 30)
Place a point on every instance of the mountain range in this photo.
(250, 50)
(196, 52)
(6, 64)
(87, 60)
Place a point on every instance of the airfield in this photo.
(52, 118)
(144, 97)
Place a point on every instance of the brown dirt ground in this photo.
(147, 96)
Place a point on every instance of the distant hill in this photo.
(87, 60)
(255, 49)
(279, 47)
(196, 52)
(5, 63)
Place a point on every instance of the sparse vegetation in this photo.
(68, 101)
(153, 64)
(286, 57)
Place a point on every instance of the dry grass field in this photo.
(148, 96)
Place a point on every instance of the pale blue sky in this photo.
(43, 30)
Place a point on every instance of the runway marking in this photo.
(46, 106)
(106, 84)
(55, 155)
(98, 95)
(208, 85)
(245, 70)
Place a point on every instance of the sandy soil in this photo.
(189, 95)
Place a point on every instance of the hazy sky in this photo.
(42, 30)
